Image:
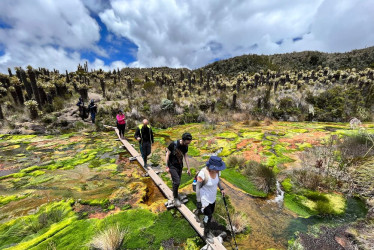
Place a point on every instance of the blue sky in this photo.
(118, 48)
(112, 34)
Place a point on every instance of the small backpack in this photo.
(206, 174)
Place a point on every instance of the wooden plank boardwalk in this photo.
(188, 214)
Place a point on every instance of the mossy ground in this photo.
(104, 188)
(101, 187)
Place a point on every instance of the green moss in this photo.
(287, 185)
(280, 148)
(30, 169)
(144, 229)
(36, 173)
(9, 198)
(240, 181)
(20, 138)
(228, 147)
(15, 175)
(314, 203)
(95, 202)
(11, 147)
(303, 146)
(51, 232)
(253, 135)
(39, 180)
(192, 151)
(29, 231)
(227, 135)
(267, 143)
(294, 203)
(271, 138)
(108, 167)
(300, 130)
(274, 160)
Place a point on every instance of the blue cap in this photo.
(215, 163)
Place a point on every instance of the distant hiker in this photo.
(92, 108)
(175, 153)
(82, 108)
(206, 191)
(144, 135)
(121, 123)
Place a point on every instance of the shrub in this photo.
(287, 107)
(239, 222)
(252, 123)
(155, 158)
(167, 105)
(250, 167)
(58, 103)
(149, 86)
(235, 161)
(48, 119)
(307, 178)
(267, 121)
(262, 176)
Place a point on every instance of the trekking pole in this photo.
(228, 215)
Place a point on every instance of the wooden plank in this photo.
(183, 209)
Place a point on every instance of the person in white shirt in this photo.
(206, 191)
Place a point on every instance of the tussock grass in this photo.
(110, 238)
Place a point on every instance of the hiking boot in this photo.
(177, 202)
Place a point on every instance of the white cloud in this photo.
(192, 33)
(46, 33)
(177, 33)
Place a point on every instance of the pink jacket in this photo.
(121, 119)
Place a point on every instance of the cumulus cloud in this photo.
(45, 33)
(55, 34)
(193, 33)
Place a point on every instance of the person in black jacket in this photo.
(92, 108)
(175, 153)
(82, 108)
(144, 135)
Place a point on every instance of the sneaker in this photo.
(177, 202)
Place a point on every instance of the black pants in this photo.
(176, 174)
(208, 211)
(145, 150)
(121, 128)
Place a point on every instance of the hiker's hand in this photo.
(167, 169)
(138, 138)
(223, 192)
(189, 172)
(198, 205)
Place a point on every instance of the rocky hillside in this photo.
(288, 87)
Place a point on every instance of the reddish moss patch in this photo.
(243, 143)
(253, 154)
(314, 139)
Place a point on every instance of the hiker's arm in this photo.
(198, 186)
(167, 159)
(137, 134)
(187, 163)
(221, 187)
(152, 139)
